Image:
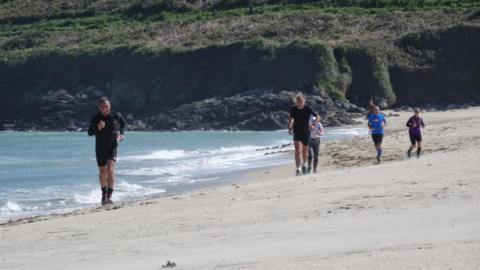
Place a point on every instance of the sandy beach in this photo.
(354, 214)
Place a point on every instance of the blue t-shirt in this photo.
(375, 121)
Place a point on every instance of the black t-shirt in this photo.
(301, 118)
(107, 137)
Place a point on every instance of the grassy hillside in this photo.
(32, 26)
(153, 56)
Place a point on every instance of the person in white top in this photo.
(314, 144)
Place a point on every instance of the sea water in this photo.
(54, 172)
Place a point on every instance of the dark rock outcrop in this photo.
(216, 87)
(256, 110)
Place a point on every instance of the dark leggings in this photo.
(313, 152)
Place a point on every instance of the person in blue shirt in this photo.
(376, 123)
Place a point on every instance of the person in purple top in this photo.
(415, 125)
(376, 123)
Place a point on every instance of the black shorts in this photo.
(303, 137)
(104, 155)
(377, 138)
(415, 138)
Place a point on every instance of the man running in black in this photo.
(108, 128)
(299, 124)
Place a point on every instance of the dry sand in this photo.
(402, 214)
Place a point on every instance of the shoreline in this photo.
(237, 177)
(401, 214)
(273, 155)
(330, 159)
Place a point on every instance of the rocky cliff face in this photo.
(246, 85)
(255, 110)
(440, 67)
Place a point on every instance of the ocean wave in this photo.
(179, 153)
(283, 142)
(234, 149)
(123, 190)
(161, 155)
(11, 207)
(147, 171)
(196, 163)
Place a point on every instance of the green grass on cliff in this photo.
(27, 11)
(36, 26)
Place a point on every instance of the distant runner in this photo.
(415, 125)
(298, 124)
(376, 123)
(108, 128)
(314, 143)
(370, 108)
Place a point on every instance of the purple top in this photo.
(415, 123)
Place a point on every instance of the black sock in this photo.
(109, 192)
(104, 193)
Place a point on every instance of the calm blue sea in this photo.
(53, 172)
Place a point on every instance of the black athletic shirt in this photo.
(301, 118)
(107, 137)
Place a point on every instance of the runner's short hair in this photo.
(299, 96)
(103, 100)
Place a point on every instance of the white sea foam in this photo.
(127, 190)
(234, 149)
(148, 171)
(11, 207)
(283, 142)
(178, 169)
(205, 179)
(161, 155)
(89, 198)
(123, 190)
(182, 154)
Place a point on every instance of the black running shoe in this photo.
(108, 201)
(379, 160)
(409, 153)
(304, 170)
(309, 169)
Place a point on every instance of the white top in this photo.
(316, 131)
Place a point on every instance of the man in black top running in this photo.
(108, 128)
(299, 125)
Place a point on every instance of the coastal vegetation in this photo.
(152, 56)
